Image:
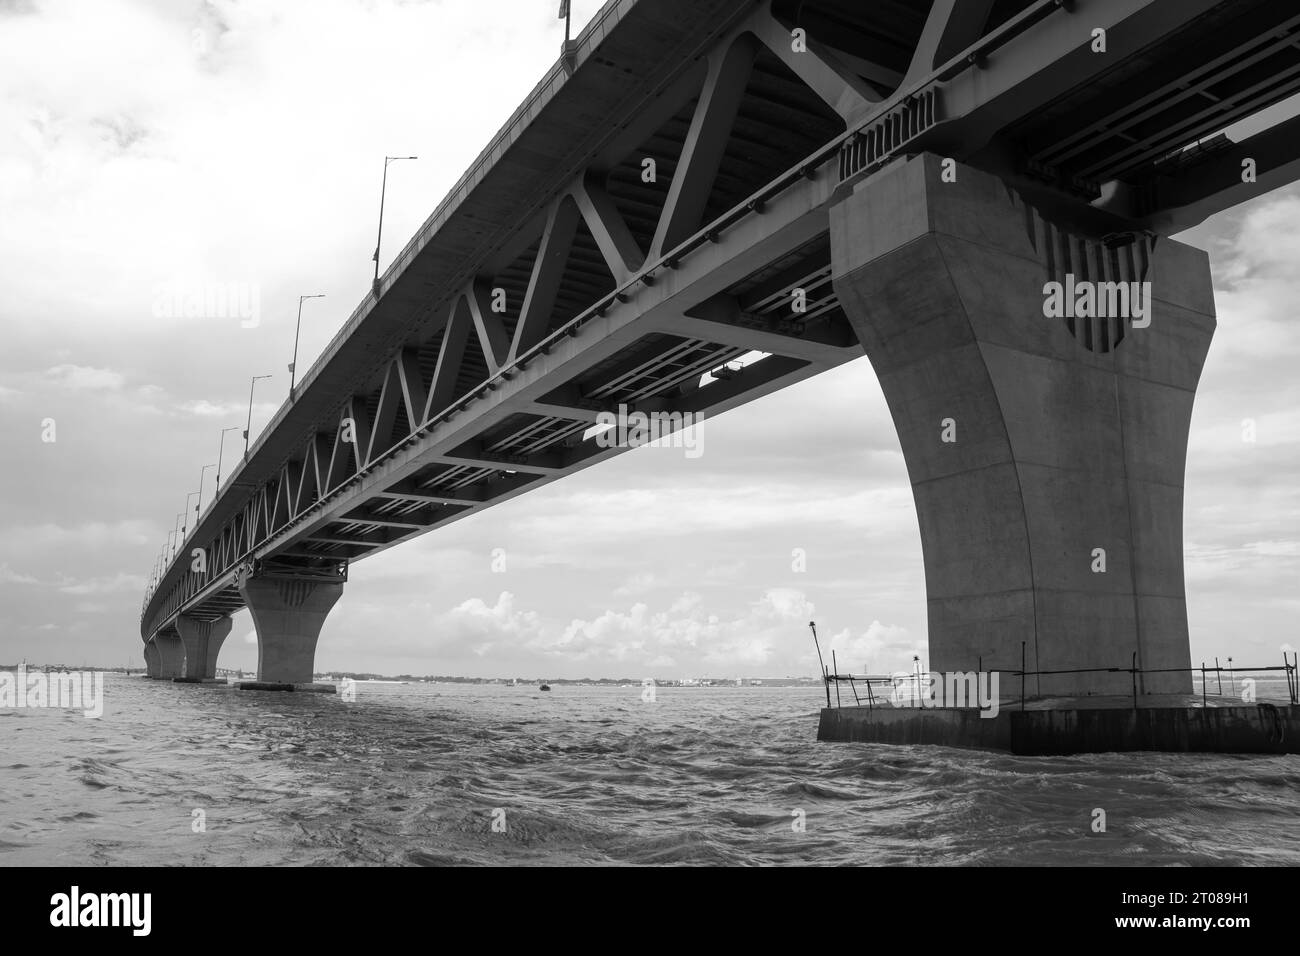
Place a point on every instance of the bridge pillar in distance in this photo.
(202, 641)
(171, 656)
(1046, 454)
(288, 612)
(152, 661)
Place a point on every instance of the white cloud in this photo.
(638, 583)
(81, 377)
(10, 576)
(481, 627)
(689, 635)
(44, 538)
(880, 649)
(107, 585)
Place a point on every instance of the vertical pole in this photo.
(221, 448)
(1218, 673)
(380, 236)
(835, 665)
(249, 424)
(1134, 671)
(1204, 702)
(812, 625)
(293, 366)
(1022, 675)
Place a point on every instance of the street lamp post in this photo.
(221, 449)
(249, 425)
(199, 504)
(567, 52)
(185, 514)
(293, 365)
(383, 189)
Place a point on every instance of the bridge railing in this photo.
(914, 688)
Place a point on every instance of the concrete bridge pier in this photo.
(202, 641)
(170, 654)
(288, 612)
(1046, 454)
(152, 661)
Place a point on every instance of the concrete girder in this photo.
(951, 27)
(616, 243)
(385, 417)
(838, 86)
(548, 272)
(492, 337)
(451, 355)
(1044, 62)
(1189, 196)
(706, 142)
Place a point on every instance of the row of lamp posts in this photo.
(177, 535)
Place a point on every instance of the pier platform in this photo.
(1070, 725)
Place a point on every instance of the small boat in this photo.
(545, 687)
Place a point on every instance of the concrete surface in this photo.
(202, 640)
(1059, 726)
(1060, 449)
(288, 613)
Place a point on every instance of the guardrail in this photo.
(914, 687)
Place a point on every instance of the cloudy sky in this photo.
(156, 144)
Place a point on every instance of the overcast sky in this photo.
(148, 146)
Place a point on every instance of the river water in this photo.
(416, 774)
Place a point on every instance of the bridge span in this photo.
(697, 181)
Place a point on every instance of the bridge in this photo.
(764, 190)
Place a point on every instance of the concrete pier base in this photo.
(202, 641)
(171, 656)
(288, 612)
(198, 680)
(1056, 726)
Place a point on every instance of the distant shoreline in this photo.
(507, 681)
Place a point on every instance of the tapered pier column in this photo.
(202, 641)
(171, 656)
(288, 612)
(1046, 454)
(152, 662)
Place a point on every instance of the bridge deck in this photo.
(620, 291)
